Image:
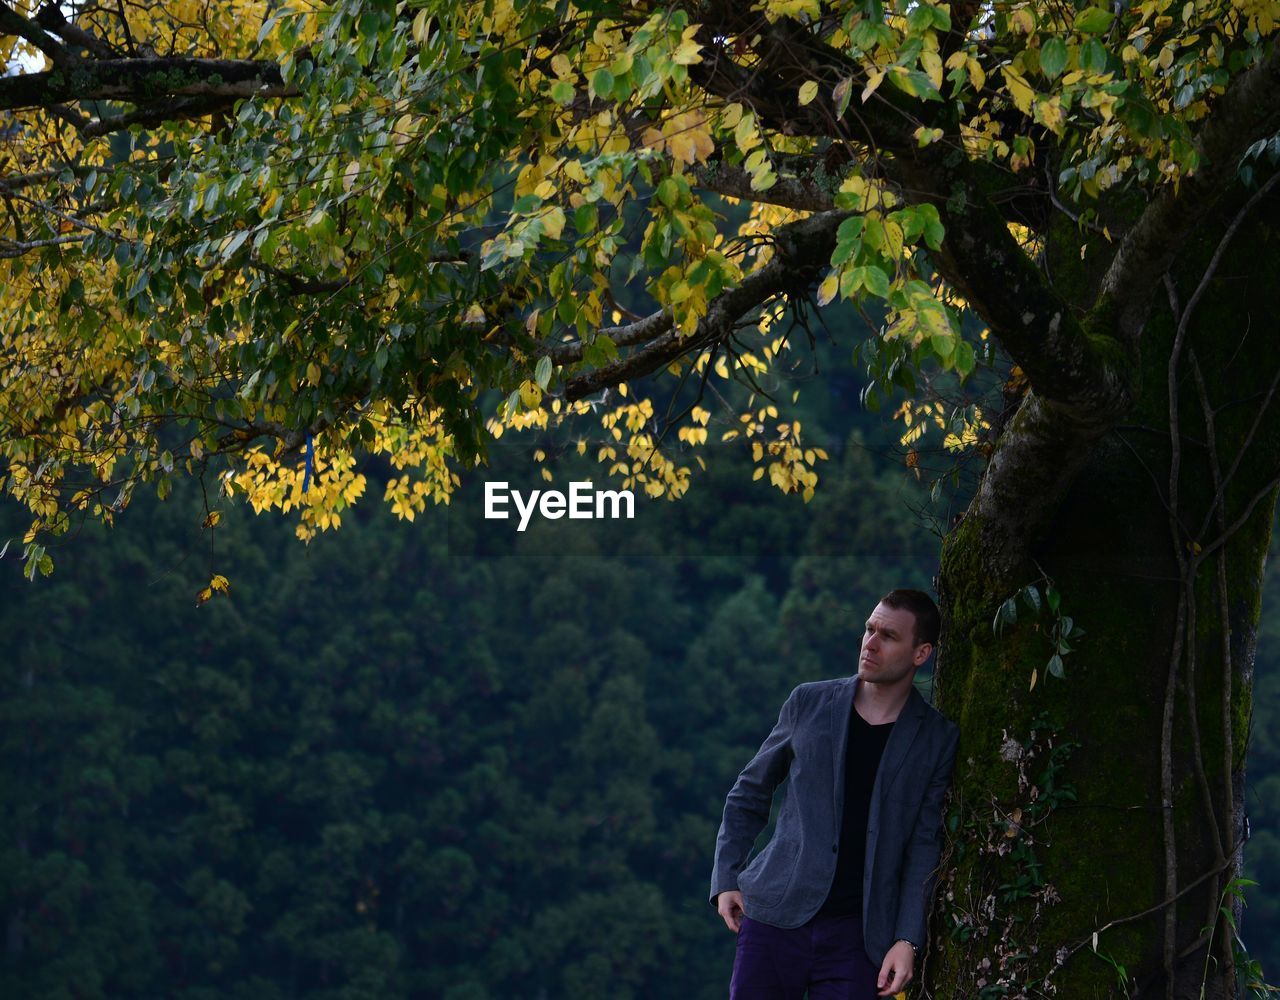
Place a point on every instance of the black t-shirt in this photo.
(862, 759)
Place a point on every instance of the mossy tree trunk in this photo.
(1155, 548)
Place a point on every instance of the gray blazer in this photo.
(786, 883)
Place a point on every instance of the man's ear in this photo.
(923, 652)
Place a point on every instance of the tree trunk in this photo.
(1029, 874)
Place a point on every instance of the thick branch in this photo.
(803, 249)
(642, 331)
(789, 56)
(167, 111)
(19, 181)
(1248, 110)
(144, 81)
(804, 193)
(9, 249)
(51, 17)
(1035, 461)
(982, 260)
(13, 23)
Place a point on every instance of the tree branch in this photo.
(11, 22)
(19, 181)
(803, 249)
(144, 81)
(154, 114)
(805, 193)
(50, 16)
(10, 250)
(640, 331)
(1249, 109)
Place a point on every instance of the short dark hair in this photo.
(928, 619)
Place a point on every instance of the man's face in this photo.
(889, 650)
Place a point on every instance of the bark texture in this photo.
(1166, 582)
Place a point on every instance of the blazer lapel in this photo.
(841, 706)
(900, 740)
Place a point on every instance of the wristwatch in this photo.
(915, 950)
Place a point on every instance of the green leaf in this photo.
(925, 16)
(850, 230)
(1053, 57)
(1055, 666)
(1093, 57)
(585, 218)
(602, 83)
(933, 228)
(914, 83)
(875, 281)
(851, 280)
(1093, 20)
(562, 92)
(139, 284)
(234, 244)
(600, 351)
(269, 246)
(542, 374)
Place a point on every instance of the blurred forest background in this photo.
(405, 761)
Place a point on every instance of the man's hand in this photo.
(729, 905)
(896, 970)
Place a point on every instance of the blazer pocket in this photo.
(767, 877)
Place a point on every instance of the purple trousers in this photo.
(825, 956)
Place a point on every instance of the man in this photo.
(836, 902)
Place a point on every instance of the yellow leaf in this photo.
(1049, 112)
(977, 75)
(873, 81)
(808, 91)
(553, 221)
(931, 63)
(1019, 90)
(688, 138)
(421, 28)
(687, 53)
(827, 290)
(350, 175)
